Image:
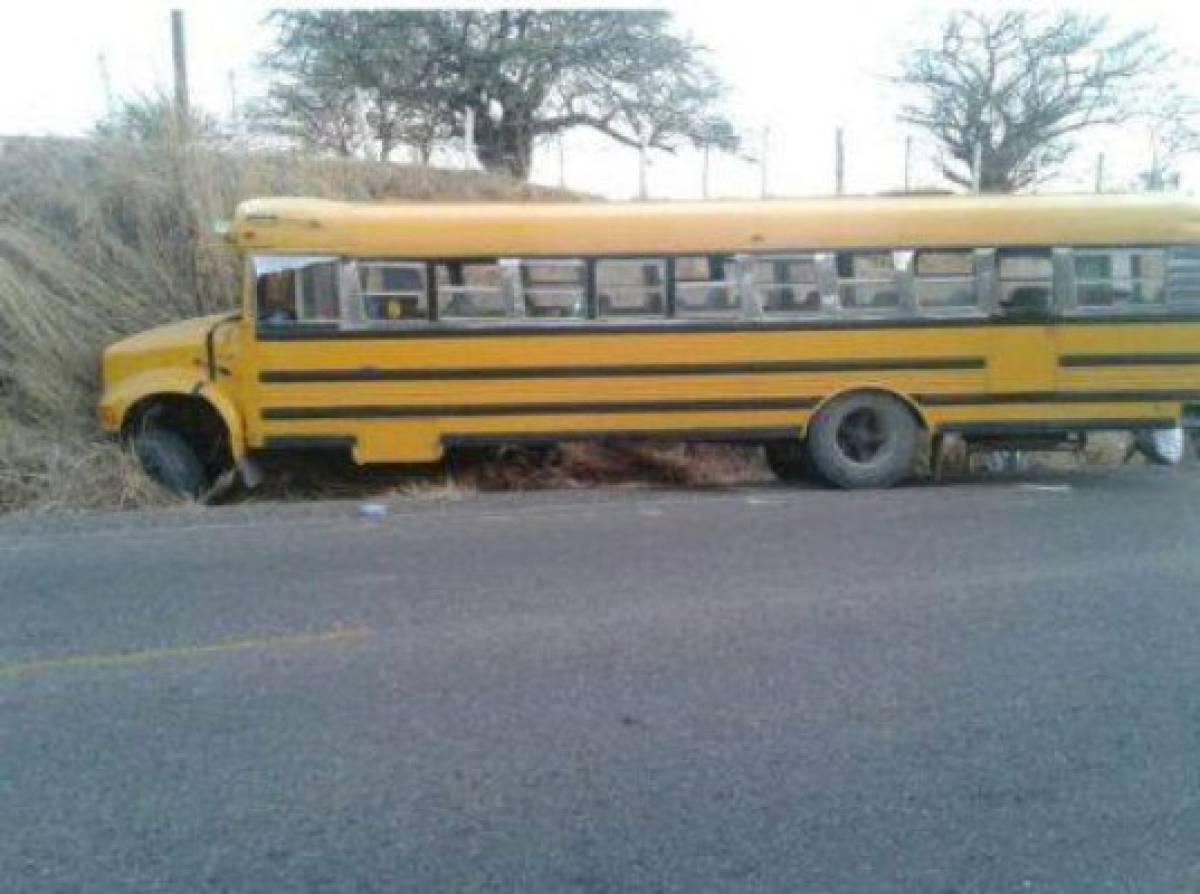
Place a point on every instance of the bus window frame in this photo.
(665, 268)
(1004, 311)
(759, 290)
(740, 269)
(354, 304)
(285, 262)
(503, 289)
(1183, 277)
(521, 293)
(978, 309)
(1117, 309)
(905, 303)
(736, 307)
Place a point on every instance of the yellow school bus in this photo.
(838, 332)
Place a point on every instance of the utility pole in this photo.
(704, 172)
(179, 57)
(1100, 172)
(110, 104)
(643, 162)
(977, 169)
(469, 138)
(765, 155)
(234, 115)
(562, 163)
(839, 162)
(907, 163)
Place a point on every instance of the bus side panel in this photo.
(400, 398)
(1127, 359)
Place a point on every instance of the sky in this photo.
(796, 71)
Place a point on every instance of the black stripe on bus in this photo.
(423, 411)
(1148, 359)
(1055, 426)
(309, 442)
(1051, 397)
(656, 434)
(374, 374)
(331, 332)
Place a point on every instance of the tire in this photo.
(170, 461)
(863, 439)
(788, 460)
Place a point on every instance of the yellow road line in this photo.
(146, 656)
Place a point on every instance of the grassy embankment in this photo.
(102, 238)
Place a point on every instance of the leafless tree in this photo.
(1173, 129)
(1017, 88)
(522, 75)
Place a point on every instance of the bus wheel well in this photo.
(908, 402)
(192, 418)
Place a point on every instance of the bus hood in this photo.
(178, 345)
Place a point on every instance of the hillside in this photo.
(102, 238)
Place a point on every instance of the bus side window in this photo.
(945, 281)
(786, 284)
(1024, 280)
(1118, 278)
(554, 289)
(393, 291)
(867, 280)
(291, 289)
(706, 286)
(1183, 276)
(631, 288)
(470, 290)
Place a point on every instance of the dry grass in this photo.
(42, 471)
(103, 238)
(590, 463)
(571, 465)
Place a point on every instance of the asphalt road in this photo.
(988, 687)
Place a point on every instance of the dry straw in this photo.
(100, 238)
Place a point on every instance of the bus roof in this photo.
(432, 230)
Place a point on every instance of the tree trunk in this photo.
(504, 146)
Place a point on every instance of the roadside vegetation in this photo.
(107, 236)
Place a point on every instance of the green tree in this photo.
(1016, 88)
(387, 78)
(151, 117)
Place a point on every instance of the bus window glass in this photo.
(867, 280)
(1119, 277)
(787, 284)
(1183, 275)
(1025, 279)
(554, 289)
(470, 290)
(705, 286)
(945, 280)
(631, 288)
(392, 291)
(296, 289)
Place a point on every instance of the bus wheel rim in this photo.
(861, 435)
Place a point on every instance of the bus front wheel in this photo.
(863, 439)
(171, 462)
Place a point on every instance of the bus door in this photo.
(1023, 355)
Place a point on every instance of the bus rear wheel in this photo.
(864, 439)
